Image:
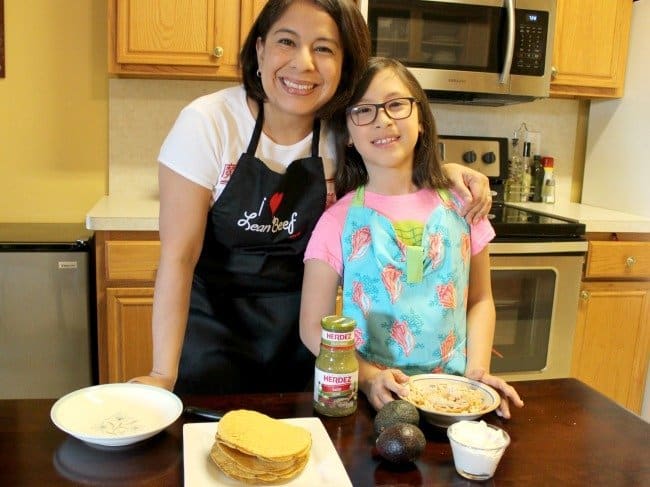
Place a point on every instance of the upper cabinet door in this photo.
(178, 38)
(591, 45)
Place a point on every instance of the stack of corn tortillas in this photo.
(254, 448)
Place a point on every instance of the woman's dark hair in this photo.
(354, 36)
(350, 169)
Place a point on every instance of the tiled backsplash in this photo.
(142, 111)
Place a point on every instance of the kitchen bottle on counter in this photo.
(527, 175)
(537, 178)
(548, 191)
(336, 373)
(514, 183)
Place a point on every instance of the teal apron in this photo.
(409, 301)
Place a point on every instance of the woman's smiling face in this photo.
(300, 60)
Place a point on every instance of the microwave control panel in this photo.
(530, 42)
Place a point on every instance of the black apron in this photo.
(242, 333)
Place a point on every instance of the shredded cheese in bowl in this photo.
(447, 398)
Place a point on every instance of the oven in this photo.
(536, 264)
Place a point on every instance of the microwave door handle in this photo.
(510, 44)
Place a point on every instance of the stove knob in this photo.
(489, 157)
(469, 156)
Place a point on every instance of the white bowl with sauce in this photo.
(118, 414)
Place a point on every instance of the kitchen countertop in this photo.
(595, 219)
(124, 212)
(140, 213)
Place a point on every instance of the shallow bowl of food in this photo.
(113, 415)
(444, 399)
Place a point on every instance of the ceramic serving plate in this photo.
(427, 382)
(324, 467)
(116, 414)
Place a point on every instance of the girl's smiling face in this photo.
(300, 60)
(386, 143)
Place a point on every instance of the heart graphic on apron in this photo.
(275, 201)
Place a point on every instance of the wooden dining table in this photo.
(567, 434)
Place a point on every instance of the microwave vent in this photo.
(478, 99)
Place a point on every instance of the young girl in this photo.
(416, 276)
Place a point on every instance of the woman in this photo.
(244, 175)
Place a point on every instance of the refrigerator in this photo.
(47, 309)
(617, 160)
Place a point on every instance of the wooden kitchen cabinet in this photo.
(178, 38)
(126, 264)
(612, 340)
(590, 48)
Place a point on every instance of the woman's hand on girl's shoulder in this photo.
(473, 187)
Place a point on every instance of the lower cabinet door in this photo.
(129, 350)
(612, 341)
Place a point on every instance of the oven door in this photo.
(536, 299)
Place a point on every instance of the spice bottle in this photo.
(336, 373)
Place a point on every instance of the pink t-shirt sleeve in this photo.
(480, 235)
(325, 241)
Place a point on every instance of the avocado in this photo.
(398, 411)
(401, 443)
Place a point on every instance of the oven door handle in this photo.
(510, 44)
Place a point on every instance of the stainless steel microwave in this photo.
(484, 52)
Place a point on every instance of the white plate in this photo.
(116, 414)
(324, 467)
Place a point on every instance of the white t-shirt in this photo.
(211, 133)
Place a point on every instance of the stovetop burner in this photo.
(511, 223)
(489, 155)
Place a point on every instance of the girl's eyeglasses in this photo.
(396, 109)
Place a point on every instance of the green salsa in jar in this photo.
(336, 374)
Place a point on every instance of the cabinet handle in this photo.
(217, 51)
(630, 261)
(584, 295)
(553, 72)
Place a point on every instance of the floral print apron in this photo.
(409, 301)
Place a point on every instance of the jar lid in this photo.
(338, 323)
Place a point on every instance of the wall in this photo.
(618, 146)
(54, 105)
(143, 111)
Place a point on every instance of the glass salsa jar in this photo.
(336, 374)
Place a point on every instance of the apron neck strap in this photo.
(259, 123)
(315, 138)
(257, 131)
(359, 196)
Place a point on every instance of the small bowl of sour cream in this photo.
(477, 448)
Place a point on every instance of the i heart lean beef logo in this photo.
(274, 202)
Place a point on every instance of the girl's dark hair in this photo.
(350, 169)
(354, 36)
